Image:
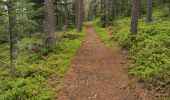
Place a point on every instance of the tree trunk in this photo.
(49, 24)
(101, 4)
(65, 15)
(149, 11)
(106, 13)
(13, 37)
(115, 9)
(79, 14)
(135, 16)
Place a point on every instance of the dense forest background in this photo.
(38, 39)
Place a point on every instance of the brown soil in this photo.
(98, 73)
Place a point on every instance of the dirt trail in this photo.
(98, 74)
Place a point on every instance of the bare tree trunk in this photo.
(101, 4)
(107, 13)
(115, 9)
(149, 11)
(79, 14)
(65, 15)
(49, 24)
(76, 12)
(13, 37)
(135, 16)
(102, 9)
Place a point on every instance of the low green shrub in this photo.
(150, 48)
(24, 88)
(33, 69)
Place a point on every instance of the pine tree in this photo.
(149, 11)
(135, 16)
(79, 14)
(106, 13)
(49, 24)
(10, 7)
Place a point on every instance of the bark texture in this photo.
(79, 14)
(149, 11)
(13, 37)
(106, 13)
(49, 23)
(135, 16)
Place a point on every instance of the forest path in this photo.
(98, 73)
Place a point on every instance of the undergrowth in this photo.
(34, 69)
(150, 48)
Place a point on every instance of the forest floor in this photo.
(99, 73)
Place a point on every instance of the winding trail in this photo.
(98, 73)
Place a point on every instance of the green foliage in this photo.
(23, 11)
(24, 88)
(150, 48)
(33, 69)
(4, 36)
(161, 12)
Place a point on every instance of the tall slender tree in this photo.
(106, 13)
(49, 24)
(13, 34)
(65, 14)
(10, 8)
(149, 11)
(135, 16)
(114, 9)
(79, 14)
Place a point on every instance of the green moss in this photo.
(24, 88)
(149, 48)
(34, 68)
